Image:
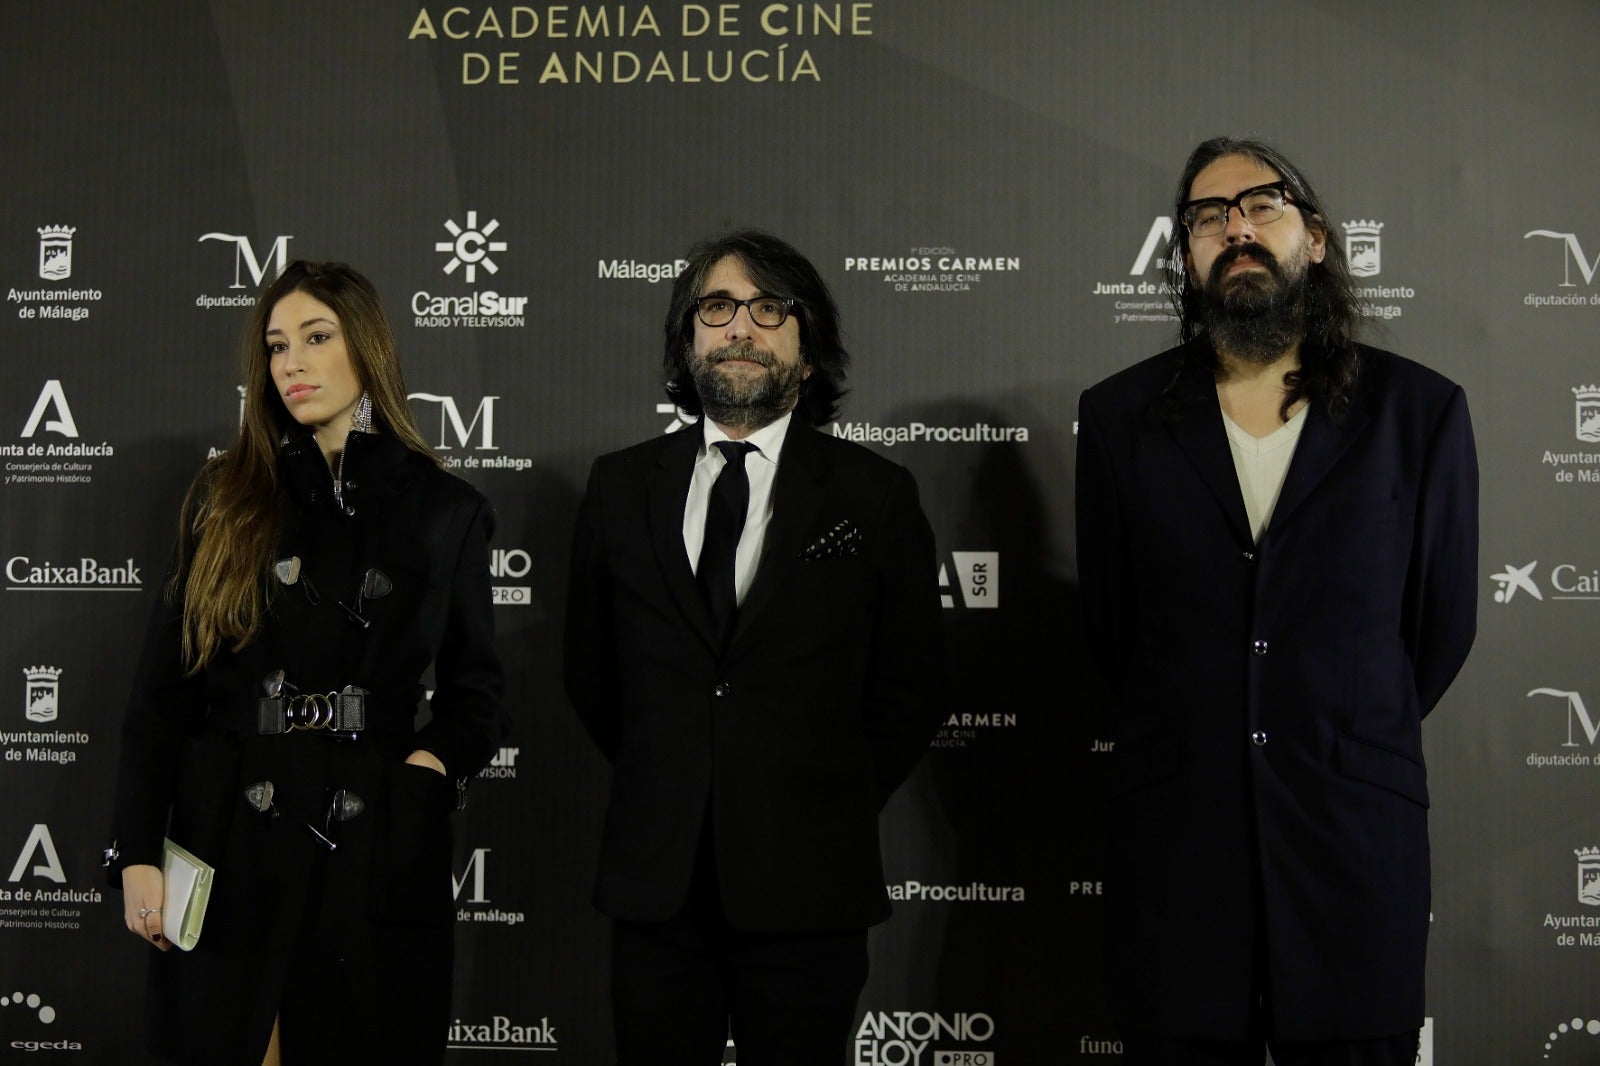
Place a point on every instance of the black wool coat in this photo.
(1268, 809)
(352, 945)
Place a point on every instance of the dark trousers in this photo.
(1145, 1050)
(679, 987)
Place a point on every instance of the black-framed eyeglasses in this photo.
(1259, 206)
(768, 312)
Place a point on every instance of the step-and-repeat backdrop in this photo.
(987, 186)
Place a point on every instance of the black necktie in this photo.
(725, 511)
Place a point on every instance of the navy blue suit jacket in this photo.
(1269, 799)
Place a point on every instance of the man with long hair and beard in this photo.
(1277, 547)
(752, 640)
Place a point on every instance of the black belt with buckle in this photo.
(339, 712)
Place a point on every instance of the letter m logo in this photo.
(450, 421)
(1575, 709)
(244, 258)
(1587, 267)
(474, 873)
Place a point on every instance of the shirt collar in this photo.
(768, 439)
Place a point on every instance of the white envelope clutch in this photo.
(188, 890)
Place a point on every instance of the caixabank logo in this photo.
(1563, 581)
(469, 250)
(29, 573)
(924, 1038)
(502, 1033)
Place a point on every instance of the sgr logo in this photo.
(977, 575)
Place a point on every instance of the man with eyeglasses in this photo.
(1277, 548)
(753, 641)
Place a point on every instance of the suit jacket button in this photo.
(1249, 557)
(1259, 738)
(1259, 647)
(722, 689)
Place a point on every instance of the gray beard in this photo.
(741, 403)
(1253, 318)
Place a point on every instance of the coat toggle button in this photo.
(1259, 647)
(723, 688)
(1259, 738)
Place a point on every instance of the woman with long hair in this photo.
(324, 562)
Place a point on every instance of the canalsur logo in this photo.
(1364, 249)
(932, 269)
(457, 434)
(678, 417)
(503, 766)
(56, 303)
(974, 577)
(1579, 466)
(44, 461)
(250, 270)
(1582, 730)
(1143, 295)
(1572, 255)
(923, 1038)
(511, 563)
(471, 248)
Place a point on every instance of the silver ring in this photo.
(145, 912)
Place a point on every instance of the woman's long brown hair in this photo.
(232, 517)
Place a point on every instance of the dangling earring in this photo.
(361, 421)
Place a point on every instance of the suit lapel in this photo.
(1198, 430)
(668, 492)
(1321, 444)
(796, 499)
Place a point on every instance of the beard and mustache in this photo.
(740, 400)
(1256, 315)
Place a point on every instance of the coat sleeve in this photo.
(468, 720)
(163, 708)
(901, 702)
(1102, 548)
(590, 658)
(1441, 600)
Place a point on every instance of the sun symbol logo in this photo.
(471, 247)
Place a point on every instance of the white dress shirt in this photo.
(761, 466)
(1262, 463)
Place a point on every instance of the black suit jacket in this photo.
(1269, 797)
(798, 730)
